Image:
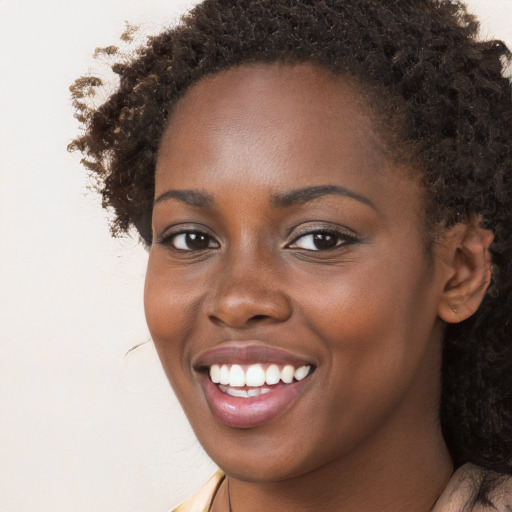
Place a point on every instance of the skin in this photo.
(370, 312)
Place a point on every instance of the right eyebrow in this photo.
(307, 194)
(190, 197)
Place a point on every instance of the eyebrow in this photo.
(190, 197)
(304, 195)
(283, 200)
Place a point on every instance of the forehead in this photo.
(276, 126)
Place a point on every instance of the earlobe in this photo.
(467, 262)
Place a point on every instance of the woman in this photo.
(325, 191)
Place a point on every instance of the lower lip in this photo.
(253, 411)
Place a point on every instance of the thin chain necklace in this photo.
(229, 498)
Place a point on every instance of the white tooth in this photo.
(255, 375)
(239, 393)
(272, 375)
(287, 374)
(224, 374)
(215, 373)
(236, 376)
(302, 372)
(258, 391)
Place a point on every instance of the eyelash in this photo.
(342, 239)
(167, 239)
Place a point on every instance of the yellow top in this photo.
(459, 491)
(202, 500)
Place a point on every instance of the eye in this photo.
(321, 240)
(189, 241)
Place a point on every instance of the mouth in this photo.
(248, 381)
(249, 385)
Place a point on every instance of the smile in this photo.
(254, 376)
(248, 385)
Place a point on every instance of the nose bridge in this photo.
(248, 286)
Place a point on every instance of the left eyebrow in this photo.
(304, 195)
(190, 197)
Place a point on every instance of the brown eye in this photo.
(192, 241)
(321, 240)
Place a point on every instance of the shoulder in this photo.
(501, 497)
(467, 483)
(202, 500)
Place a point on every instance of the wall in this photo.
(83, 427)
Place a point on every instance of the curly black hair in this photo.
(420, 61)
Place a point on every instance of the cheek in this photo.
(169, 304)
(355, 302)
(171, 297)
(376, 325)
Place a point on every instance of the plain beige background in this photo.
(82, 426)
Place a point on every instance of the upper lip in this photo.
(252, 352)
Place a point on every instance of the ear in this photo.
(467, 270)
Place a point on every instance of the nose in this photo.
(248, 293)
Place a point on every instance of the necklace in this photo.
(229, 497)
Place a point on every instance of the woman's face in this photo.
(284, 240)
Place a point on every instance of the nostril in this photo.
(258, 318)
(215, 320)
(251, 320)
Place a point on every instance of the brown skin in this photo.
(370, 312)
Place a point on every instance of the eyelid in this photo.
(179, 229)
(315, 226)
(341, 231)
